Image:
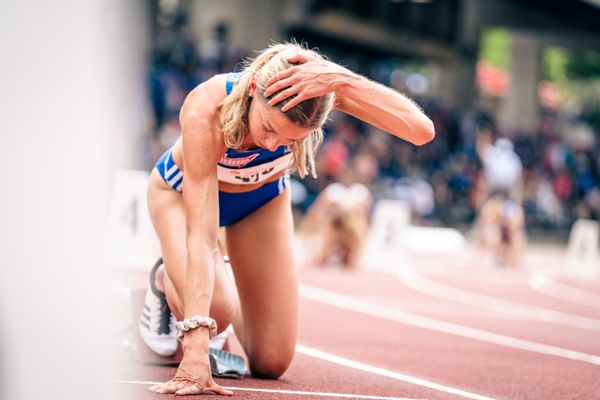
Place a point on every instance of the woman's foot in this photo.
(157, 322)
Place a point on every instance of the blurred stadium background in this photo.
(525, 70)
(92, 87)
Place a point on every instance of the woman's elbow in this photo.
(424, 132)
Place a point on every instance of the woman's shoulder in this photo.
(199, 118)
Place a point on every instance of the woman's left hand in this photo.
(313, 78)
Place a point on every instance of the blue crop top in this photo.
(252, 166)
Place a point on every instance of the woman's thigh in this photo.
(261, 251)
(167, 213)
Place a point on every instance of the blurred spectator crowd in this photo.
(442, 182)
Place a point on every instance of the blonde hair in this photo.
(310, 113)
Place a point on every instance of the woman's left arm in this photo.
(356, 95)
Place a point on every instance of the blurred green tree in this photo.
(494, 46)
(577, 73)
(584, 65)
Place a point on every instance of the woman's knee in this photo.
(270, 365)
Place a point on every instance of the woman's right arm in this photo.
(200, 197)
(202, 147)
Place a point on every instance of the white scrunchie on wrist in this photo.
(195, 322)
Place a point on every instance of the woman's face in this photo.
(269, 127)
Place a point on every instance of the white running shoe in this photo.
(157, 323)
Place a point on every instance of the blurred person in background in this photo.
(501, 220)
(337, 223)
(502, 168)
(241, 135)
(501, 229)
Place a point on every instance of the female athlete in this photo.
(242, 134)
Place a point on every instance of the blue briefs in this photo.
(232, 206)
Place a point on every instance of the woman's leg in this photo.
(261, 251)
(167, 213)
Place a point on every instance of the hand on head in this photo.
(310, 78)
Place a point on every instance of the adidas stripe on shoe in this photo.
(157, 323)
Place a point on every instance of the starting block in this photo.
(224, 364)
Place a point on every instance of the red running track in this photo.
(369, 335)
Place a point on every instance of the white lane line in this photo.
(541, 283)
(414, 280)
(290, 392)
(374, 310)
(385, 372)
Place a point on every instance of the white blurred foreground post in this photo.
(391, 237)
(582, 252)
(72, 79)
(132, 242)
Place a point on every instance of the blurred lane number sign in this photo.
(132, 243)
(582, 253)
(384, 246)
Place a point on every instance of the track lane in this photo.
(390, 293)
(457, 362)
(454, 361)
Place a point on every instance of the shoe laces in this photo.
(164, 317)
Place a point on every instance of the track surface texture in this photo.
(447, 326)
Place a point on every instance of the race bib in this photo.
(256, 174)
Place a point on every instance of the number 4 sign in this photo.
(132, 241)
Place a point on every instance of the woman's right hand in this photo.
(193, 375)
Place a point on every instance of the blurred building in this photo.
(430, 50)
(444, 33)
